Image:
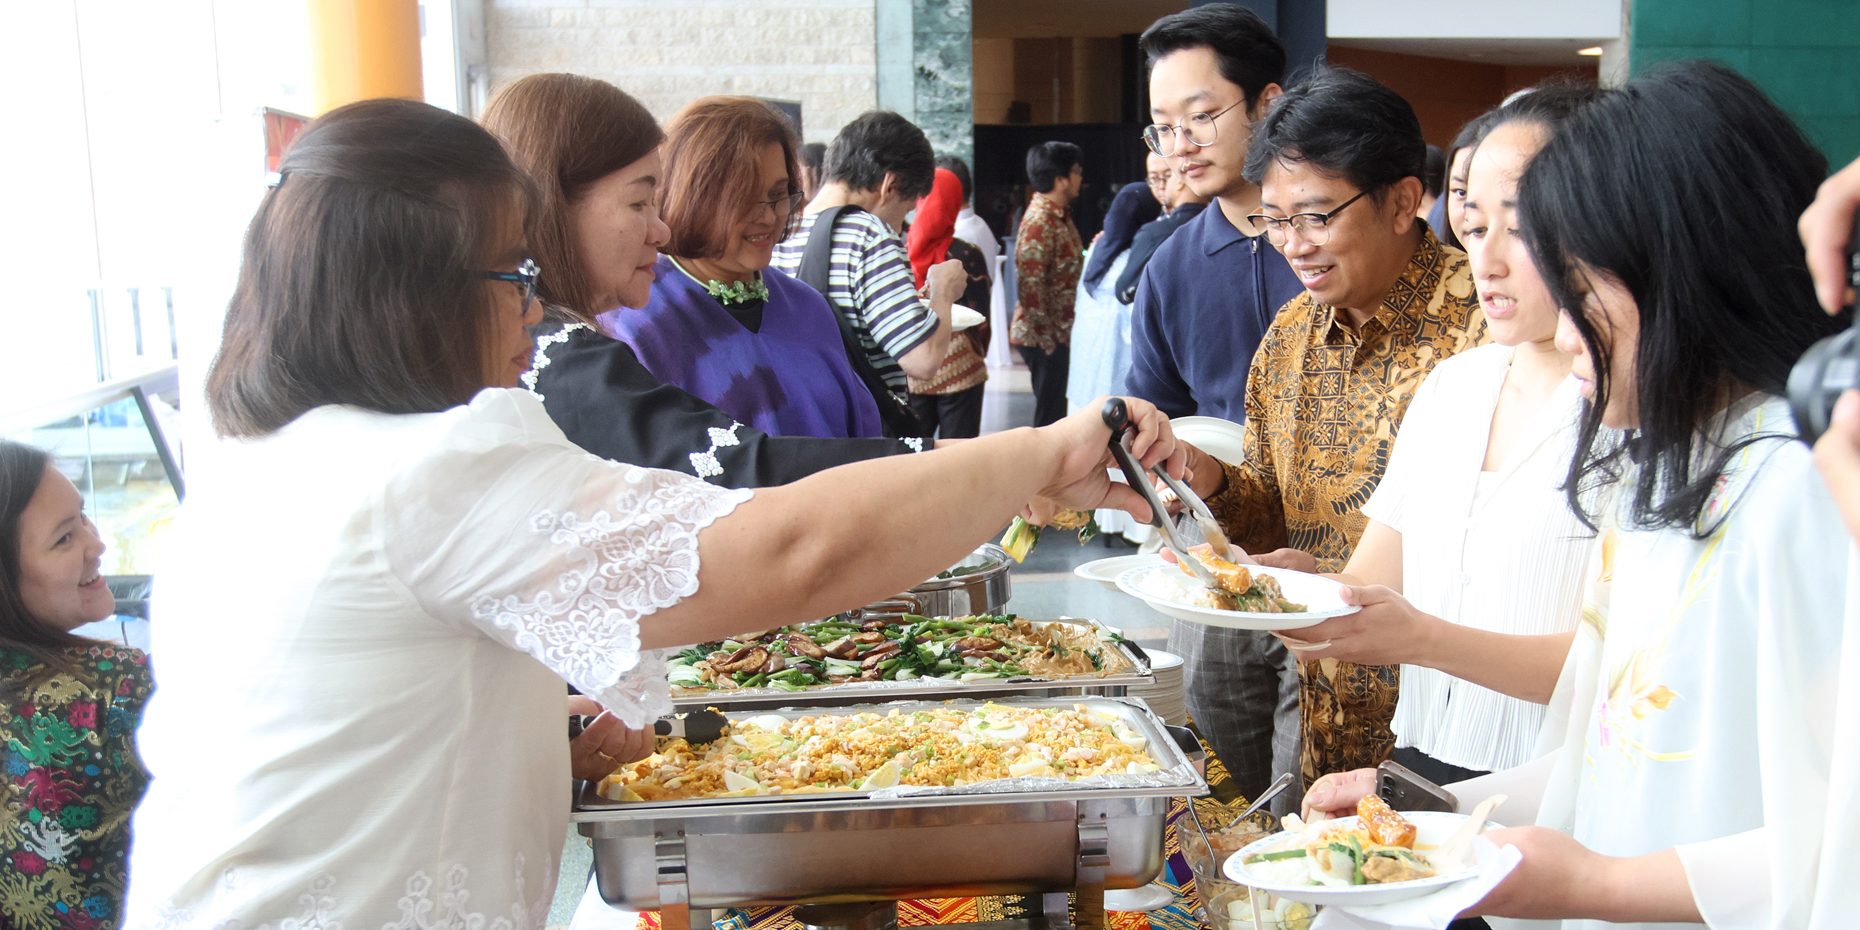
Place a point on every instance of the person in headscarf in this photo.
(1180, 204)
(950, 402)
(1101, 325)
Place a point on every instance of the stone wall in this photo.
(667, 53)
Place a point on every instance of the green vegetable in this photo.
(1279, 855)
(1022, 536)
(1020, 539)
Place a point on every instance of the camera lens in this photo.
(1827, 369)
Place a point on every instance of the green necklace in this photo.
(737, 292)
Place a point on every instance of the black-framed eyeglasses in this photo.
(1157, 180)
(525, 278)
(1199, 128)
(1311, 227)
(785, 204)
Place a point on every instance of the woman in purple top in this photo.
(721, 323)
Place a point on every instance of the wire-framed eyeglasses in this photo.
(1199, 128)
(525, 278)
(783, 205)
(1314, 228)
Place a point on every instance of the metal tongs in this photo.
(1117, 417)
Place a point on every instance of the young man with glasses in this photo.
(1338, 163)
(1201, 306)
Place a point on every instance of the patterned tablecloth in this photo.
(1182, 914)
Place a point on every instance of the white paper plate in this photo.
(1169, 590)
(1105, 571)
(1223, 439)
(961, 318)
(1431, 829)
(1151, 897)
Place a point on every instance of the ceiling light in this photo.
(1593, 51)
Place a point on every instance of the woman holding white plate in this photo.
(1696, 711)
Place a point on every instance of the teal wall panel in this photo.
(1804, 53)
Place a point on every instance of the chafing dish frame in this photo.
(791, 849)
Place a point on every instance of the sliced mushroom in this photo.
(774, 663)
(841, 648)
(978, 644)
(873, 626)
(743, 660)
(878, 655)
(869, 639)
(800, 645)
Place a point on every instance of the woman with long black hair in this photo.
(1691, 716)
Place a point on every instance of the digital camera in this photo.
(1830, 367)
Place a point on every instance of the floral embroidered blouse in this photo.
(71, 780)
(360, 718)
(1048, 257)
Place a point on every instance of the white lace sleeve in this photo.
(558, 554)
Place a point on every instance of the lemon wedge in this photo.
(734, 781)
(619, 792)
(886, 776)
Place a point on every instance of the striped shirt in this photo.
(869, 281)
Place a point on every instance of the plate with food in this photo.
(1377, 857)
(1250, 597)
(961, 318)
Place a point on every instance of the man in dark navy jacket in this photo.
(1202, 306)
(1207, 297)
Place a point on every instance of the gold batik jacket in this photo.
(1323, 405)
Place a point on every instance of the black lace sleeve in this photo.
(606, 402)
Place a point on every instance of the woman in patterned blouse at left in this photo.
(68, 709)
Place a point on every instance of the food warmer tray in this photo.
(787, 849)
(1113, 685)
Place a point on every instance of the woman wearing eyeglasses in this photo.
(399, 558)
(721, 323)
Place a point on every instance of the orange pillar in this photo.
(360, 49)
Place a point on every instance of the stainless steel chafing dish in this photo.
(976, 585)
(773, 850)
(853, 692)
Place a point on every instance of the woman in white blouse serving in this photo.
(398, 558)
(1471, 564)
(1696, 713)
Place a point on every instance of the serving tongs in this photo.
(1117, 417)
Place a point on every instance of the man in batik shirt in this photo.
(1047, 260)
(1384, 302)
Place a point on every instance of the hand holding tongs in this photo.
(1117, 417)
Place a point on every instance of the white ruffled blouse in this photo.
(359, 719)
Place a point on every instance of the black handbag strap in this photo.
(899, 420)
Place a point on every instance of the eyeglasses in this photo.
(525, 278)
(783, 205)
(1157, 180)
(1199, 128)
(1312, 227)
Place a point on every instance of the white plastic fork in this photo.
(1451, 856)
